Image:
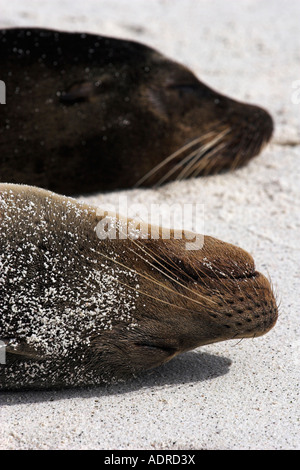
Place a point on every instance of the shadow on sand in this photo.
(188, 368)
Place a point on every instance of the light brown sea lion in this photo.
(89, 113)
(77, 310)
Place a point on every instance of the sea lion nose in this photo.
(253, 118)
(253, 308)
(250, 308)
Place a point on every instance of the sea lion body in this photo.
(89, 113)
(78, 310)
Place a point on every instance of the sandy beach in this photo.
(230, 395)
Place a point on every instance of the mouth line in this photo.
(168, 350)
(215, 275)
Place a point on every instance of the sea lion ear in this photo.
(81, 91)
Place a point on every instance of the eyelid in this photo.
(184, 86)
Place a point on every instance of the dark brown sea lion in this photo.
(77, 310)
(90, 113)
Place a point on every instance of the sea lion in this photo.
(89, 113)
(78, 310)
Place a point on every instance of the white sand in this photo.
(229, 395)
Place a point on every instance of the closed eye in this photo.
(185, 87)
(197, 89)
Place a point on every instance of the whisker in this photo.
(221, 279)
(234, 345)
(243, 150)
(146, 250)
(204, 163)
(151, 296)
(173, 279)
(172, 156)
(203, 149)
(171, 262)
(152, 279)
(197, 272)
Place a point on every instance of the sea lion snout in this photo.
(245, 302)
(203, 296)
(213, 132)
(258, 117)
(251, 123)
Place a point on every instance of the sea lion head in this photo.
(205, 131)
(177, 125)
(87, 113)
(79, 308)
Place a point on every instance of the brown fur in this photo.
(177, 299)
(89, 113)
